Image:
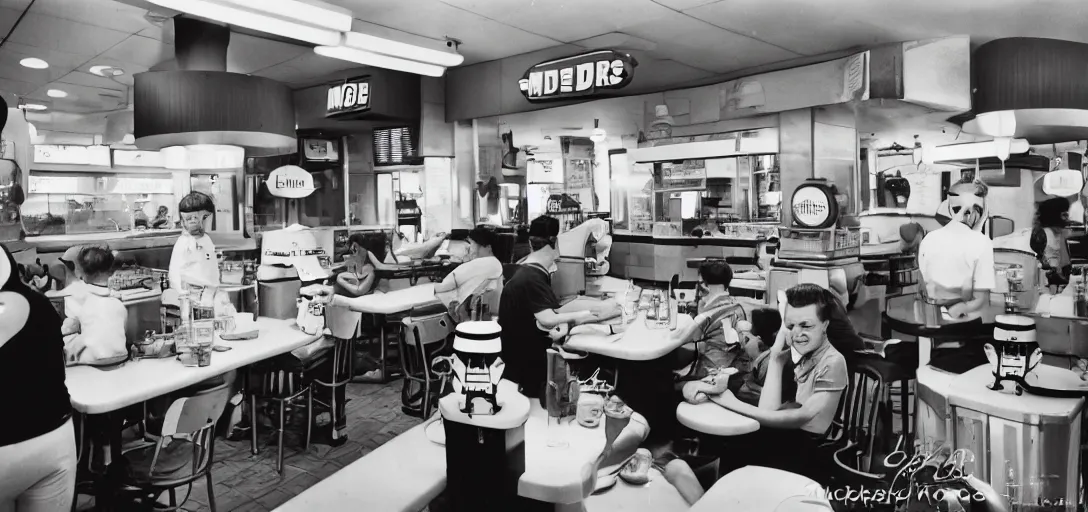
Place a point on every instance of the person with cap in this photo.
(482, 271)
(532, 319)
(956, 263)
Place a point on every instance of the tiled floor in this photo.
(247, 482)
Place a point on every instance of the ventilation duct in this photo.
(202, 104)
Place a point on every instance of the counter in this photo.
(658, 258)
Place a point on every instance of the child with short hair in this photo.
(95, 330)
(194, 266)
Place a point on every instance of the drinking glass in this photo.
(557, 435)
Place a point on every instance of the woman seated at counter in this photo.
(791, 433)
(357, 278)
(1052, 220)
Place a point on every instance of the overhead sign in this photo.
(349, 96)
(583, 75)
(291, 182)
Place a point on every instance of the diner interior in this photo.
(608, 255)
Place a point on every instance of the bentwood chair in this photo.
(188, 429)
(426, 331)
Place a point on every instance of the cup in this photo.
(616, 418)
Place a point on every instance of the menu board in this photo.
(686, 175)
(579, 174)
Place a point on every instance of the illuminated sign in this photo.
(290, 181)
(579, 76)
(347, 97)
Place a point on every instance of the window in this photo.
(66, 203)
(395, 146)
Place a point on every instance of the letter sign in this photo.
(348, 97)
(291, 182)
(588, 74)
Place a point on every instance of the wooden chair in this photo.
(189, 425)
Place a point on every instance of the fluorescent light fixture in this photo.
(106, 71)
(255, 20)
(313, 12)
(375, 44)
(378, 60)
(33, 63)
(56, 93)
(33, 106)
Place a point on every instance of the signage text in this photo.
(350, 96)
(579, 76)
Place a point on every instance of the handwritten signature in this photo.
(950, 470)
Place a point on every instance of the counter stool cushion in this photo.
(713, 419)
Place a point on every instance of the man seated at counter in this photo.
(791, 433)
(482, 270)
(956, 263)
(705, 345)
(532, 319)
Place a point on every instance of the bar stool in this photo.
(286, 387)
(342, 366)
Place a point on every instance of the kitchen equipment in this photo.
(1026, 446)
(1013, 353)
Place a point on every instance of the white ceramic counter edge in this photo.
(283, 331)
(616, 349)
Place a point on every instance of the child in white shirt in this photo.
(194, 265)
(95, 330)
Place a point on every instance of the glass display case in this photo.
(59, 203)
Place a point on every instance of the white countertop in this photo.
(409, 471)
(970, 390)
(639, 342)
(391, 303)
(94, 391)
(713, 419)
(756, 488)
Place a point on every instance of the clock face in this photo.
(811, 206)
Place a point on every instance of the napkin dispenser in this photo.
(477, 366)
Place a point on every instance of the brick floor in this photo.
(247, 482)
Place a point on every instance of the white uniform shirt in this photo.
(193, 262)
(956, 261)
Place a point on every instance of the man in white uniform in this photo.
(957, 267)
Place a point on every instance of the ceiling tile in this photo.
(60, 63)
(91, 80)
(16, 87)
(566, 20)
(7, 18)
(685, 39)
(100, 13)
(685, 4)
(143, 51)
(80, 98)
(247, 54)
(302, 69)
(65, 35)
(483, 39)
(14, 4)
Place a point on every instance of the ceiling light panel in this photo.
(312, 12)
(56, 93)
(378, 60)
(252, 19)
(34, 63)
(375, 44)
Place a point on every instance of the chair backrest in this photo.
(483, 303)
(425, 326)
(190, 414)
(859, 411)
